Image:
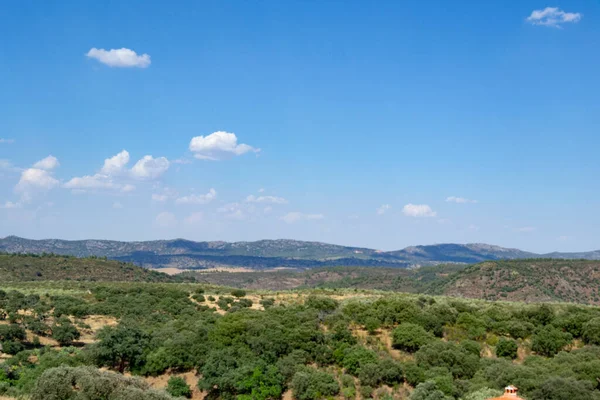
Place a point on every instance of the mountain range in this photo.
(262, 254)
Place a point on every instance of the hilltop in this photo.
(23, 267)
(265, 254)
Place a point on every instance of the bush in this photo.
(312, 384)
(211, 298)
(427, 391)
(65, 333)
(266, 303)
(507, 348)
(12, 347)
(238, 293)
(177, 387)
(366, 392)
(410, 337)
(372, 324)
(321, 303)
(11, 332)
(591, 332)
(91, 384)
(548, 341)
(199, 298)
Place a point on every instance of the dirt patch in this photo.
(161, 381)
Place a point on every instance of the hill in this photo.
(530, 280)
(539, 280)
(16, 267)
(265, 254)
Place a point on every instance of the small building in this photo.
(510, 393)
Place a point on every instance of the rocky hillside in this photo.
(536, 280)
(56, 268)
(265, 254)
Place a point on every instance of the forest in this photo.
(89, 340)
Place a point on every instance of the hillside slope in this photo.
(54, 268)
(527, 280)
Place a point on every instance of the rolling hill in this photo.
(15, 267)
(265, 254)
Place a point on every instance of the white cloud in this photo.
(7, 141)
(198, 198)
(96, 181)
(194, 218)
(526, 229)
(165, 219)
(159, 197)
(117, 205)
(10, 204)
(218, 146)
(127, 188)
(261, 190)
(234, 211)
(34, 179)
(296, 216)
(47, 163)
(383, 209)
(150, 168)
(473, 227)
(459, 200)
(564, 238)
(553, 17)
(418, 210)
(266, 199)
(122, 58)
(115, 165)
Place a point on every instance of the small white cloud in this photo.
(165, 220)
(296, 216)
(198, 198)
(459, 200)
(7, 141)
(117, 205)
(47, 163)
(564, 238)
(96, 181)
(233, 211)
(473, 228)
(553, 17)
(35, 179)
(150, 168)
(261, 190)
(267, 209)
(218, 146)
(194, 218)
(159, 197)
(116, 164)
(383, 209)
(526, 229)
(266, 199)
(418, 210)
(121, 58)
(127, 188)
(10, 204)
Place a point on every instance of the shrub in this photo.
(321, 303)
(65, 333)
(312, 384)
(267, 302)
(427, 391)
(549, 340)
(372, 324)
(177, 387)
(238, 293)
(12, 347)
(507, 348)
(591, 331)
(410, 337)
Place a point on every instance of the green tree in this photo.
(120, 347)
(507, 348)
(312, 384)
(410, 337)
(177, 387)
(65, 333)
(549, 340)
(427, 391)
(591, 331)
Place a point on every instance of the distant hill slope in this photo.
(530, 280)
(15, 267)
(264, 254)
(575, 281)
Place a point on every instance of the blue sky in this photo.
(380, 124)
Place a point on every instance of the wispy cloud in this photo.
(553, 17)
(526, 229)
(120, 58)
(7, 141)
(383, 209)
(459, 200)
(198, 198)
(266, 199)
(296, 216)
(418, 210)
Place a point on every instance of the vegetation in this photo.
(48, 267)
(314, 344)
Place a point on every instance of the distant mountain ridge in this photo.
(262, 254)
